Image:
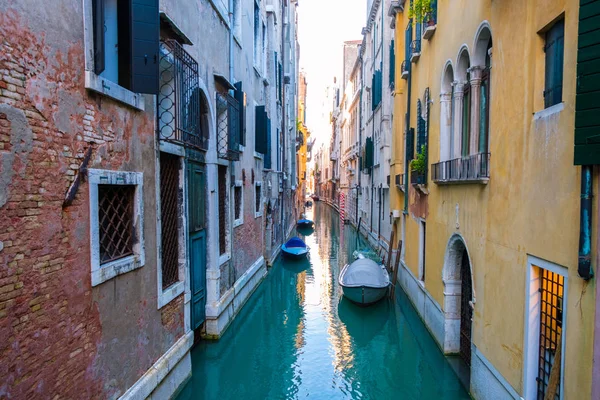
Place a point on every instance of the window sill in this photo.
(258, 215)
(546, 112)
(257, 71)
(238, 40)
(114, 268)
(173, 291)
(238, 222)
(259, 156)
(110, 89)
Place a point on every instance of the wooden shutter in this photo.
(554, 49)
(267, 160)
(410, 144)
(240, 96)
(260, 130)
(587, 107)
(145, 32)
(392, 71)
(98, 15)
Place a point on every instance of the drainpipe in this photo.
(584, 267)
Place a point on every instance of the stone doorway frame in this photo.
(451, 277)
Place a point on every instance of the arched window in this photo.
(447, 114)
(462, 106)
(482, 63)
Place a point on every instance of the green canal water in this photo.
(297, 337)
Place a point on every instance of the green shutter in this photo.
(267, 161)
(145, 33)
(240, 96)
(260, 130)
(410, 144)
(392, 76)
(587, 106)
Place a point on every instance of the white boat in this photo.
(364, 281)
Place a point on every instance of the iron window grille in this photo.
(551, 319)
(181, 109)
(257, 198)
(228, 127)
(237, 196)
(115, 221)
(169, 217)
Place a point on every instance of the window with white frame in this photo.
(258, 211)
(116, 223)
(257, 38)
(171, 269)
(122, 56)
(236, 16)
(238, 204)
(545, 329)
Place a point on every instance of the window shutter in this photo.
(260, 139)
(267, 161)
(240, 96)
(410, 144)
(98, 15)
(554, 49)
(145, 32)
(392, 64)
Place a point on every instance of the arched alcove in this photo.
(446, 117)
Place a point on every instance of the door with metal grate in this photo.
(466, 309)
(197, 240)
(169, 215)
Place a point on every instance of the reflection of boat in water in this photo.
(364, 281)
(297, 265)
(305, 231)
(362, 323)
(305, 223)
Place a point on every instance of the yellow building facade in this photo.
(490, 228)
(302, 147)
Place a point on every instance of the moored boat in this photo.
(364, 281)
(294, 248)
(305, 223)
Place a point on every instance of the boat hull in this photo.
(364, 295)
(295, 253)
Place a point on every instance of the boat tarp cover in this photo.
(295, 242)
(305, 221)
(365, 272)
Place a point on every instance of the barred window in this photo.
(237, 196)
(115, 216)
(169, 215)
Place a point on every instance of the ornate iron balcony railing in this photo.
(474, 168)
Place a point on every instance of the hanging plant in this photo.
(419, 164)
(419, 9)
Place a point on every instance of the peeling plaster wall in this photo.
(58, 335)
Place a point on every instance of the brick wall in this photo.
(59, 337)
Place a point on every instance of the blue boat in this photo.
(294, 248)
(305, 223)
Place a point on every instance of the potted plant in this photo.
(418, 167)
(419, 9)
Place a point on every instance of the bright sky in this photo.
(323, 27)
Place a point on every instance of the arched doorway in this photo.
(459, 298)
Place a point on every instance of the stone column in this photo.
(476, 73)
(445, 126)
(457, 123)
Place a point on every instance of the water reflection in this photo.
(298, 338)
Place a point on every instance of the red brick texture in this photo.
(50, 318)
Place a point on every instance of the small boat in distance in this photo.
(364, 281)
(305, 223)
(294, 248)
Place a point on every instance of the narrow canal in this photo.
(298, 338)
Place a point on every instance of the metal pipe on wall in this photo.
(584, 267)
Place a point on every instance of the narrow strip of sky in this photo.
(324, 25)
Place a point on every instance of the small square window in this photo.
(116, 223)
(115, 217)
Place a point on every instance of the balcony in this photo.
(400, 181)
(430, 23)
(415, 50)
(405, 69)
(182, 109)
(469, 169)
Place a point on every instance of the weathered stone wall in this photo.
(59, 337)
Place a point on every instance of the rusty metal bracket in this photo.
(80, 177)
